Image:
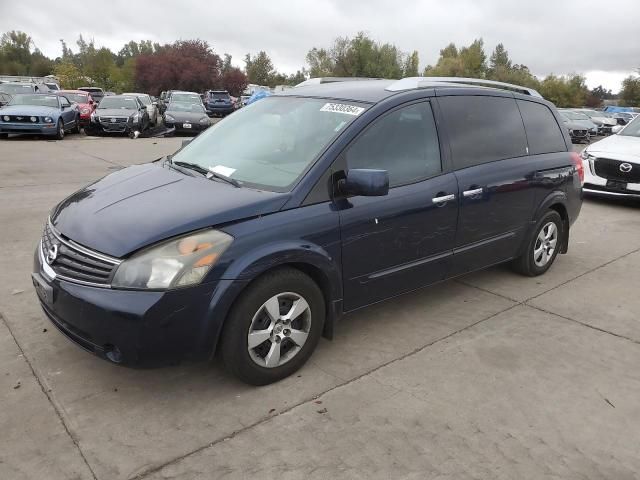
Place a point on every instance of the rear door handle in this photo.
(472, 193)
(443, 199)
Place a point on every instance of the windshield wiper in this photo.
(191, 166)
(230, 180)
(206, 172)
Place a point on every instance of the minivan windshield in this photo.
(271, 143)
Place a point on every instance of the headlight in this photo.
(48, 120)
(85, 110)
(135, 116)
(570, 132)
(169, 118)
(175, 263)
(6, 118)
(586, 155)
(204, 120)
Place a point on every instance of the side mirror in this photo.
(365, 182)
(144, 107)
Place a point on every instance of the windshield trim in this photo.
(316, 158)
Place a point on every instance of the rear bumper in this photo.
(28, 128)
(220, 110)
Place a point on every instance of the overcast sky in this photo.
(595, 38)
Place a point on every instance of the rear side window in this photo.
(543, 132)
(483, 129)
(403, 142)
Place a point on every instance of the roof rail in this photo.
(411, 83)
(319, 80)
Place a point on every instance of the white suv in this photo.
(612, 165)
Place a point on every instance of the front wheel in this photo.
(76, 125)
(542, 247)
(60, 130)
(274, 327)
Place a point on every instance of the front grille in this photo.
(579, 133)
(76, 263)
(109, 120)
(21, 119)
(610, 169)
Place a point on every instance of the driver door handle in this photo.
(443, 199)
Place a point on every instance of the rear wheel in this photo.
(542, 247)
(274, 327)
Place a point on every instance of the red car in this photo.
(86, 104)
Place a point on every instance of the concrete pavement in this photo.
(491, 376)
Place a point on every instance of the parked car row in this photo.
(62, 111)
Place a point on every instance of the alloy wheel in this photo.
(279, 329)
(545, 246)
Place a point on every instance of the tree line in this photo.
(194, 65)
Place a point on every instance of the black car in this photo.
(119, 114)
(96, 93)
(218, 103)
(257, 236)
(186, 118)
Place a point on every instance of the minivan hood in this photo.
(143, 204)
(617, 147)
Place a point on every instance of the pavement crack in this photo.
(564, 317)
(45, 390)
(268, 418)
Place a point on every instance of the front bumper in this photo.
(132, 327)
(595, 184)
(195, 127)
(28, 128)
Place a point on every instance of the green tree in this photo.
(630, 92)
(468, 61)
(411, 65)
(69, 75)
(18, 56)
(320, 63)
(259, 69)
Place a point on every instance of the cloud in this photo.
(567, 37)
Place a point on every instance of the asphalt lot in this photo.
(492, 376)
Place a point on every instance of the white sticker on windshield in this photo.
(342, 108)
(222, 170)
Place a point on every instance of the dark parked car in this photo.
(96, 93)
(218, 103)
(39, 114)
(186, 118)
(258, 235)
(119, 114)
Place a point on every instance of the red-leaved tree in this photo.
(234, 81)
(185, 65)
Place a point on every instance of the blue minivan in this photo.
(256, 237)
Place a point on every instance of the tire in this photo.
(60, 130)
(274, 354)
(76, 125)
(542, 246)
(4, 135)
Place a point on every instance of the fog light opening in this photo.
(113, 353)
